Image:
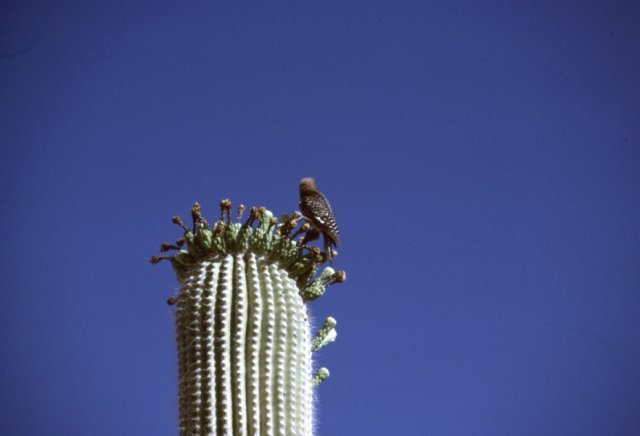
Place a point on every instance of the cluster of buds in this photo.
(278, 239)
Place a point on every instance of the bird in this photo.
(316, 209)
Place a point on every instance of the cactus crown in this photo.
(271, 238)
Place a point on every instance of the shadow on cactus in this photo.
(243, 333)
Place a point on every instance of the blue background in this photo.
(482, 159)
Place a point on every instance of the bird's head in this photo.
(307, 185)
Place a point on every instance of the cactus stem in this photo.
(244, 343)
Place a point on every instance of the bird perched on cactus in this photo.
(316, 209)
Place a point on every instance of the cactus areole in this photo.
(244, 342)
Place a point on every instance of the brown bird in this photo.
(316, 209)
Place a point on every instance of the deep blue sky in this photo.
(482, 159)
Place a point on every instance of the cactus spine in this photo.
(244, 342)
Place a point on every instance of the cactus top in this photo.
(270, 238)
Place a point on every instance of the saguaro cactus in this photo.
(243, 333)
